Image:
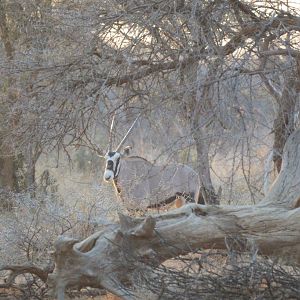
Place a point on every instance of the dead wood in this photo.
(107, 259)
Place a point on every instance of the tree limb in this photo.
(17, 270)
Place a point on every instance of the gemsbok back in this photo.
(141, 184)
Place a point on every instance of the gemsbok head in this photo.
(141, 184)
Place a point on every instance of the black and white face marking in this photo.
(112, 168)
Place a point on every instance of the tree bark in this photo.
(202, 109)
(8, 170)
(284, 122)
(203, 168)
(286, 99)
(4, 33)
(10, 163)
(109, 257)
(198, 113)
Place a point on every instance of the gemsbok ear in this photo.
(126, 151)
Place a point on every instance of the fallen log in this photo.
(108, 258)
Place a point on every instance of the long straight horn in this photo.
(126, 135)
(110, 133)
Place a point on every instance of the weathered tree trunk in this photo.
(10, 163)
(7, 160)
(31, 157)
(108, 258)
(284, 122)
(7, 170)
(199, 108)
(203, 167)
(286, 99)
(4, 33)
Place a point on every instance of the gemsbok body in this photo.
(141, 184)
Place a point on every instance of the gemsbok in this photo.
(141, 184)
